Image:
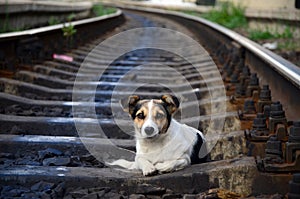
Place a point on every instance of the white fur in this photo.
(165, 153)
(149, 123)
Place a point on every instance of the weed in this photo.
(289, 45)
(228, 15)
(233, 17)
(53, 21)
(68, 32)
(71, 17)
(287, 33)
(256, 34)
(100, 10)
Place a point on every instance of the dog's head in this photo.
(151, 117)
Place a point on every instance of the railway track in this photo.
(61, 120)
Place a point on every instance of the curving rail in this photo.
(51, 111)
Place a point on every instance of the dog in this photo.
(162, 144)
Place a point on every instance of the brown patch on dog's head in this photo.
(171, 102)
(129, 104)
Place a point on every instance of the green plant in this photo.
(287, 33)
(52, 21)
(259, 34)
(256, 34)
(228, 15)
(68, 32)
(234, 17)
(100, 10)
(71, 17)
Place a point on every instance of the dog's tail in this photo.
(123, 163)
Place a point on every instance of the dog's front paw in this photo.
(163, 167)
(173, 165)
(149, 170)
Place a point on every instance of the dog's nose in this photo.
(149, 130)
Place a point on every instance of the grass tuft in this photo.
(256, 34)
(233, 17)
(228, 15)
(99, 10)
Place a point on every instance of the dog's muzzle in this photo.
(149, 130)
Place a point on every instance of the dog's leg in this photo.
(172, 165)
(123, 163)
(146, 166)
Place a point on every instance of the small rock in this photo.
(13, 191)
(42, 186)
(49, 153)
(189, 196)
(124, 194)
(36, 109)
(60, 189)
(276, 196)
(79, 193)
(2, 110)
(56, 161)
(222, 193)
(99, 189)
(45, 196)
(137, 196)
(27, 161)
(68, 197)
(29, 196)
(75, 161)
(17, 130)
(7, 155)
(90, 160)
(87, 158)
(5, 161)
(13, 109)
(112, 195)
(171, 196)
(271, 46)
(153, 197)
(93, 196)
(57, 110)
(27, 113)
(150, 189)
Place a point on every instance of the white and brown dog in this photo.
(162, 143)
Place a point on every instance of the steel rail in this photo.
(284, 67)
(35, 31)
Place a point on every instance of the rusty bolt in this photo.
(259, 124)
(265, 93)
(294, 186)
(277, 116)
(295, 132)
(240, 90)
(264, 98)
(273, 151)
(249, 106)
(234, 77)
(253, 80)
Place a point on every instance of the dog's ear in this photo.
(171, 101)
(129, 103)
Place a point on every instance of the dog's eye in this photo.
(159, 116)
(140, 116)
